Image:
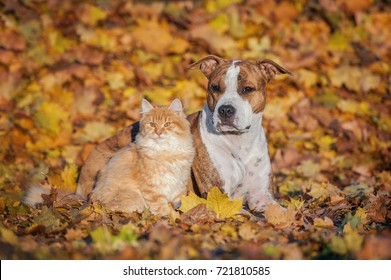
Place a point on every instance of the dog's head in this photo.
(236, 90)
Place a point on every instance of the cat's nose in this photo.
(158, 131)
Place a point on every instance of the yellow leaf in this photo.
(115, 80)
(308, 168)
(8, 236)
(97, 131)
(229, 230)
(326, 223)
(153, 36)
(68, 177)
(307, 78)
(58, 43)
(190, 201)
(158, 95)
(220, 23)
(50, 116)
(339, 41)
(92, 14)
(325, 142)
(296, 204)
(216, 201)
(323, 190)
(352, 238)
(219, 43)
(222, 205)
(353, 107)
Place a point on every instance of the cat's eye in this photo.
(152, 124)
(215, 88)
(167, 124)
(248, 89)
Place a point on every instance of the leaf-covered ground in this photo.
(72, 73)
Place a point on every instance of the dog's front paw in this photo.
(262, 204)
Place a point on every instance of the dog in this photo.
(231, 147)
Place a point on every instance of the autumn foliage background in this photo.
(72, 73)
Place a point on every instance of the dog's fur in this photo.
(231, 148)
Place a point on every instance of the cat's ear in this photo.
(177, 107)
(146, 106)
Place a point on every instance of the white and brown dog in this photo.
(231, 147)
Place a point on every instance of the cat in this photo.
(151, 172)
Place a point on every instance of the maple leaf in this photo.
(68, 177)
(217, 201)
(222, 205)
(65, 179)
(279, 217)
(190, 201)
(50, 117)
(324, 223)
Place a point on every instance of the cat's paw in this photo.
(176, 204)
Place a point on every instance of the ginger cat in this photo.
(154, 170)
(149, 173)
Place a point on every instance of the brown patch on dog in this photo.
(251, 76)
(204, 174)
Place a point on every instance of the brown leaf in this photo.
(199, 214)
(280, 217)
(378, 207)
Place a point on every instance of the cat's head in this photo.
(162, 122)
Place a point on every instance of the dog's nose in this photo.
(226, 111)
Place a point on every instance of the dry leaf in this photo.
(279, 217)
(324, 223)
(222, 205)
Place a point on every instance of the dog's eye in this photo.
(152, 124)
(215, 88)
(248, 89)
(167, 124)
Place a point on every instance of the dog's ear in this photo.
(206, 64)
(269, 69)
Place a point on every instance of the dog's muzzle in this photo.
(226, 123)
(227, 113)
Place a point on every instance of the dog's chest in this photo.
(241, 161)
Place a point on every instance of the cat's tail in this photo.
(34, 196)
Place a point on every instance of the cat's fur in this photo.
(151, 172)
(154, 170)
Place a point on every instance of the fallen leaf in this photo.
(199, 214)
(148, 33)
(324, 223)
(190, 201)
(97, 131)
(219, 43)
(69, 176)
(222, 205)
(8, 236)
(279, 217)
